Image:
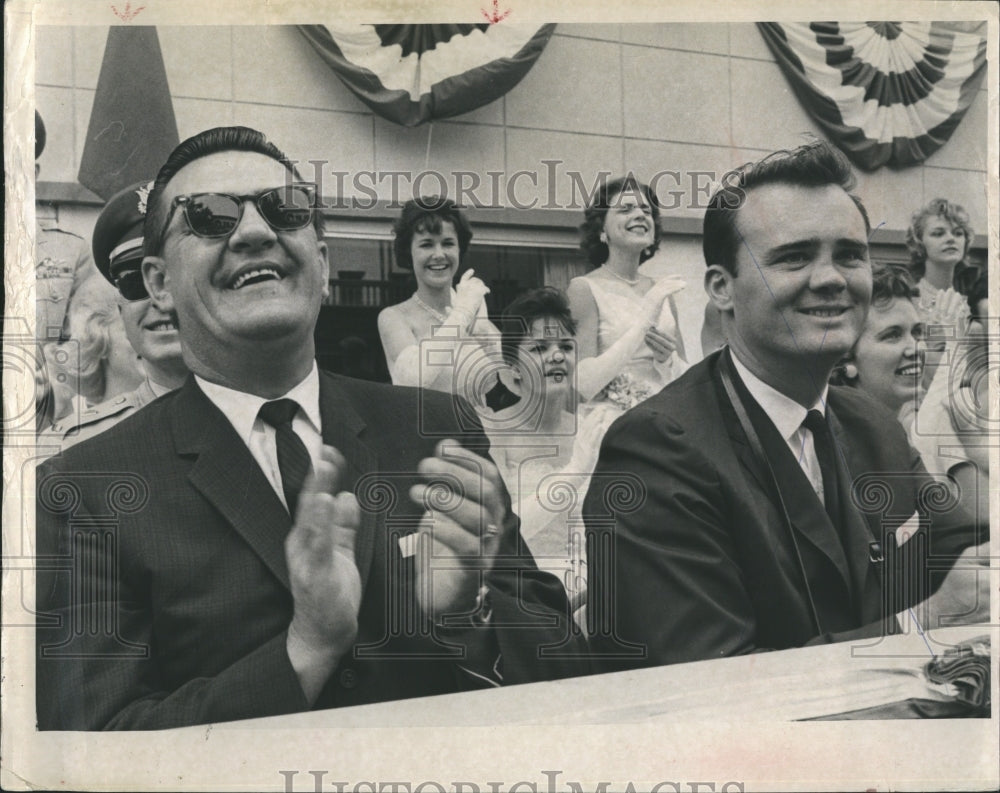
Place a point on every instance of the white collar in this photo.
(785, 413)
(242, 408)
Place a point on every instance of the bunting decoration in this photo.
(412, 74)
(132, 128)
(886, 93)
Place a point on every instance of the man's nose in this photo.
(252, 230)
(826, 274)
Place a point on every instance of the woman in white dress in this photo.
(440, 337)
(532, 441)
(628, 343)
(938, 238)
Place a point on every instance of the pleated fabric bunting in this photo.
(886, 93)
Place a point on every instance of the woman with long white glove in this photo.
(440, 337)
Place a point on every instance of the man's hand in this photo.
(964, 596)
(460, 529)
(326, 584)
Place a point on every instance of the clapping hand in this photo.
(324, 577)
(461, 527)
(952, 312)
(660, 291)
(964, 596)
(661, 343)
(469, 294)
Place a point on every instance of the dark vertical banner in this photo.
(132, 126)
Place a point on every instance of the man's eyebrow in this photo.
(794, 246)
(853, 242)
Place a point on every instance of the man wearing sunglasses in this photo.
(261, 564)
(117, 247)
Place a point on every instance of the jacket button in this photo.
(348, 678)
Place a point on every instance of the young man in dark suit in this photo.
(282, 539)
(748, 506)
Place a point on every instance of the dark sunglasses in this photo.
(214, 215)
(130, 285)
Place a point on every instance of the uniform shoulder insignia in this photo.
(94, 414)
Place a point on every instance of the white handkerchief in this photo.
(908, 529)
(408, 545)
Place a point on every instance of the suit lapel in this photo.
(805, 511)
(858, 531)
(226, 474)
(342, 428)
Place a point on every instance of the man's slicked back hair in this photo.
(210, 141)
(815, 164)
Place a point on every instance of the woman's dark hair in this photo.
(211, 141)
(939, 207)
(546, 302)
(970, 280)
(889, 282)
(594, 215)
(427, 214)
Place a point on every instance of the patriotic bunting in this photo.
(887, 93)
(411, 74)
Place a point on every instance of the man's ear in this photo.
(154, 273)
(324, 268)
(719, 287)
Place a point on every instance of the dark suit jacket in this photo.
(690, 557)
(163, 589)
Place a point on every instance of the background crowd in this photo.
(561, 367)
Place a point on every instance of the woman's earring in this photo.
(604, 238)
(850, 371)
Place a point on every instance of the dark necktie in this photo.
(826, 453)
(293, 459)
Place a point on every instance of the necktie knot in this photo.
(815, 422)
(279, 411)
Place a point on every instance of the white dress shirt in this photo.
(243, 410)
(787, 416)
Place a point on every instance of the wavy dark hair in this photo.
(546, 302)
(939, 207)
(211, 141)
(427, 214)
(815, 164)
(594, 215)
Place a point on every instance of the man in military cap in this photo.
(117, 247)
(62, 264)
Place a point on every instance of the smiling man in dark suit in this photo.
(721, 519)
(282, 539)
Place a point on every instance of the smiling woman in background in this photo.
(887, 361)
(628, 342)
(533, 441)
(439, 332)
